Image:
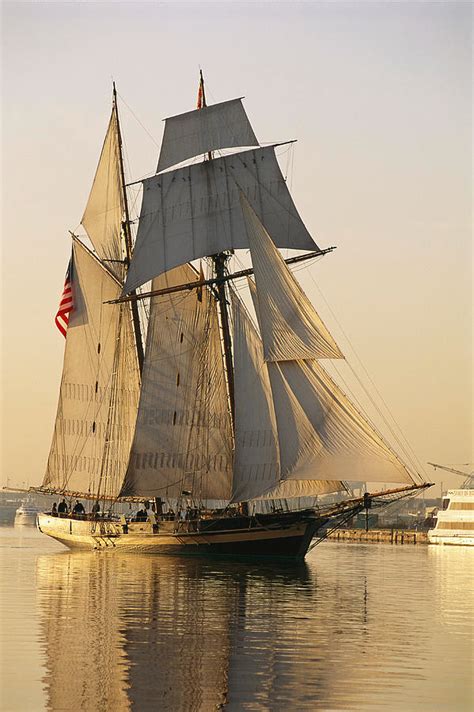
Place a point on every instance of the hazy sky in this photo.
(379, 96)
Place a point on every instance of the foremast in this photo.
(127, 234)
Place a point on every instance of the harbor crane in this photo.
(469, 477)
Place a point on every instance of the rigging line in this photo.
(408, 446)
(138, 121)
(410, 456)
(229, 126)
(357, 405)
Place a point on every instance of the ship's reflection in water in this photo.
(164, 633)
(159, 633)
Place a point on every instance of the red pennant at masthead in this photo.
(66, 305)
(200, 99)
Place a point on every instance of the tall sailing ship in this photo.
(211, 414)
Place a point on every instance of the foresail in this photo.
(99, 388)
(183, 437)
(289, 324)
(103, 215)
(223, 125)
(195, 211)
(257, 467)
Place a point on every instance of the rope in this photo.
(405, 446)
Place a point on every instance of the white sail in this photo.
(99, 388)
(104, 211)
(320, 431)
(291, 489)
(183, 437)
(289, 324)
(195, 211)
(256, 460)
(257, 468)
(223, 125)
(348, 446)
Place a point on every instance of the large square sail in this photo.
(195, 211)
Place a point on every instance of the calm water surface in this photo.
(358, 627)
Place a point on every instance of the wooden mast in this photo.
(219, 261)
(128, 242)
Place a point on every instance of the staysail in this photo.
(99, 388)
(183, 438)
(291, 327)
(348, 446)
(195, 211)
(258, 449)
(104, 211)
(223, 125)
(320, 432)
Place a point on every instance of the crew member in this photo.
(62, 508)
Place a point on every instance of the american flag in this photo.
(66, 305)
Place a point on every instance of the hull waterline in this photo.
(279, 537)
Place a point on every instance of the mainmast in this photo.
(219, 261)
(128, 241)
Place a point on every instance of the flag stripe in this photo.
(66, 304)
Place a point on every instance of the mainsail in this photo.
(99, 388)
(183, 438)
(195, 211)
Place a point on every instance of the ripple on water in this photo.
(359, 627)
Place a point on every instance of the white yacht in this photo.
(26, 512)
(455, 519)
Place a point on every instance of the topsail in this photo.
(104, 211)
(194, 133)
